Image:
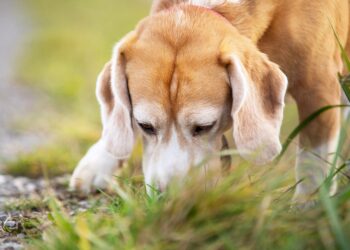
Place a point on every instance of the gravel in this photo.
(23, 207)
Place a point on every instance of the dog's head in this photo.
(182, 79)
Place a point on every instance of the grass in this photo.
(242, 211)
(249, 208)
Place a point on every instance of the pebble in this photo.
(15, 213)
(16, 187)
(5, 179)
(10, 226)
(21, 185)
(13, 225)
(3, 217)
(84, 204)
(21, 236)
(10, 246)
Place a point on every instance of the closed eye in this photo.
(202, 129)
(148, 128)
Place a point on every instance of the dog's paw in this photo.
(86, 178)
(95, 171)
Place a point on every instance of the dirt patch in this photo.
(24, 211)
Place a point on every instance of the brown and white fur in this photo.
(193, 69)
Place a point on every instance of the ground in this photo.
(18, 103)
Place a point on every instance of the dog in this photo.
(194, 69)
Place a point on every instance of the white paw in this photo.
(94, 171)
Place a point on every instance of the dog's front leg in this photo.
(313, 166)
(318, 141)
(95, 170)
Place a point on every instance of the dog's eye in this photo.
(148, 128)
(202, 129)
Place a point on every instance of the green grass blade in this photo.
(342, 50)
(334, 220)
(345, 84)
(343, 197)
(303, 124)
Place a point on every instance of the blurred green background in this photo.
(68, 44)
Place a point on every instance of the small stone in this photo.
(20, 184)
(4, 179)
(84, 204)
(82, 210)
(41, 183)
(15, 213)
(30, 187)
(11, 246)
(10, 224)
(21, 236)
(3, 217)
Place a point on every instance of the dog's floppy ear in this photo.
(258, 91)
(113, 95)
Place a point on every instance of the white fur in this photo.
(212, 3)
(95, 170)
(118, 135)
(180, 17)
(149, 112)
(100, 99)
(165, 161)
(200, 114)
(239, 91)
(262, 144)
(312, 167)
(97, 166)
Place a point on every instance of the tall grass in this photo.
(248, 209)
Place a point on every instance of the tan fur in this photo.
(183, 55)
(297, 35)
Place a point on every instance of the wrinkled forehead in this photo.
(156, 114)
(173, 84)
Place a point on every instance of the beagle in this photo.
(194, 69)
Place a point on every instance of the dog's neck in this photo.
(251, 18)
